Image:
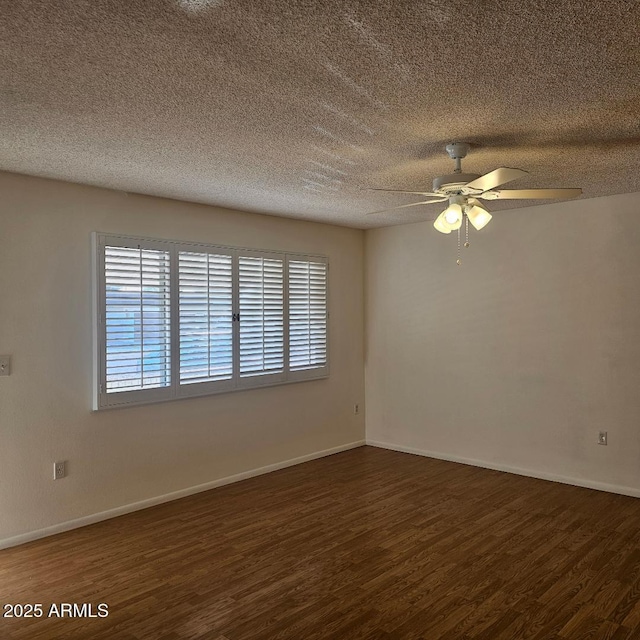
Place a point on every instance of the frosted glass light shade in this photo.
(453, 216)
(478, 217)
(441, 224)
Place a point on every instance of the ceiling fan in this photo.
(464, 191)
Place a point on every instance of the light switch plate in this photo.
(5, 365)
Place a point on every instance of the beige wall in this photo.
(516, 359)
(521, 355)
(122, 456)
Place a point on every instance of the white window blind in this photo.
(137, 319)
(177, 319)
(206, 310)
(261, 297)
(307, 314)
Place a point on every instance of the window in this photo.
(175, 320)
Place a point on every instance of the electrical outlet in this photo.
(59, 470)
(356, 409)
(602, 437)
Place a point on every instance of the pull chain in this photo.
(458, 261)
(466, 229)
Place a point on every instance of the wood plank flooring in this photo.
(366, 544)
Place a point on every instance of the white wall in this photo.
(521, 355)
(123, 456)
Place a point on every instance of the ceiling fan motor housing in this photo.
(454, 184)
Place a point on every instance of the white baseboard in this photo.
(542, 475)
(175, 495)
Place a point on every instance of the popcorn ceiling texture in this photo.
(294, 108)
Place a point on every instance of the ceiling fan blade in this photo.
(495, 178)
(530, 194)
(418, 193)
(402, 206)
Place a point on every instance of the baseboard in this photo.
(175, 495)
(531, 473)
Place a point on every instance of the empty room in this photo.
(319, 320)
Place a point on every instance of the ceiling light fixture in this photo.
(460, 208)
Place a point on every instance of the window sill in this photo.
(208, 393)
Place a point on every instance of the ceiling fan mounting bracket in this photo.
(457, 150)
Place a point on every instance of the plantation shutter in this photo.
(307, 315)
(205, 283)
(261, 309)
(136, 320)
(174, 319)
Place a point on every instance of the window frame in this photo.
(175, 390)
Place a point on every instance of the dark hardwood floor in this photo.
(364, 544)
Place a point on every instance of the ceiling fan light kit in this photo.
(478, 216)
(462, 190)
(441, 224)
(453, 214)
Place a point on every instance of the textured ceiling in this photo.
(294, 108)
